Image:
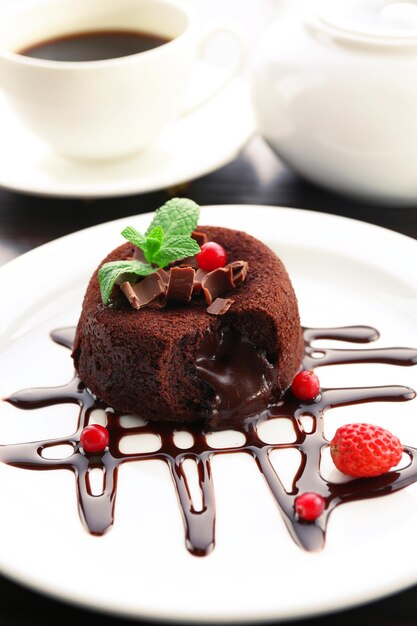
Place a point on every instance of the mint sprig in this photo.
(120, 271)
(167, 239)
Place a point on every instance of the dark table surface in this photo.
(26, 222)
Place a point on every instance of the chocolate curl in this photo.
(146, 291)
(239, 271)
(198, 277)
(217, 282)
(188, 261)
(180, 285)
(130, 295)
(138, 255)
(199, 237)
(164, 275)
(220, 306)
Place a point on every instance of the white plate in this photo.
(192, 146)
(344, 272)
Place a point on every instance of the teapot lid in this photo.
(386, 19)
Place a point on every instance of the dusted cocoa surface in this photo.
(144, 361)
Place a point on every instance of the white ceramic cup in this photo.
(109, 108)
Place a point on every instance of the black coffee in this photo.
(93, 46)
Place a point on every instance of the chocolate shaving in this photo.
(180, 285)
(138, 255)
(199, 237)
(198, 277)
(183, 281)
(164, 276)
(220, 306)
(189, 261)
(130, 295)
(146, 291)
(239, 271)
(217, 282)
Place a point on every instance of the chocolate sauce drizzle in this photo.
(97, 511)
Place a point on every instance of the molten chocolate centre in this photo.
(239, 374)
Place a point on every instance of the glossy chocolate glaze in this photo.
(215, 364)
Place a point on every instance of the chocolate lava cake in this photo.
(157, 362)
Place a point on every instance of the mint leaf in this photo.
(178, 216)
(134, 236)
(175, 248)
(149, 244)
(153, 243)
(110, 272)
(156, 233)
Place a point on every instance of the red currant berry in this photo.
(94, 438)
(212, 256)
(309, 506)
(306, 385)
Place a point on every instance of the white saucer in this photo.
(192, 146)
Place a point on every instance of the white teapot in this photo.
(335, 95)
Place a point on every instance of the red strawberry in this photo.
(363, 450)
